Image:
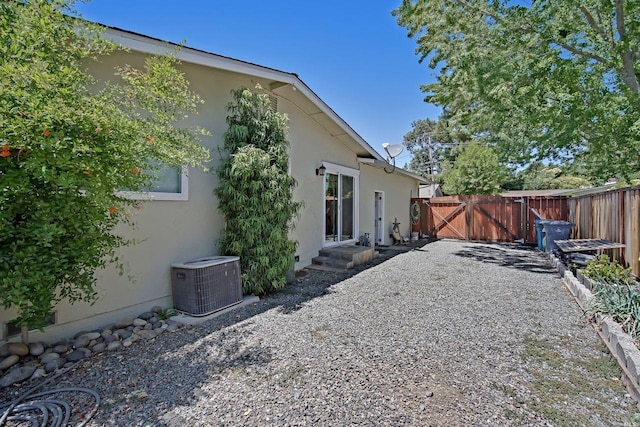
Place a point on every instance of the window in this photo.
(172, 184)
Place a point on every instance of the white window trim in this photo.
(355, 173)
(156, 195)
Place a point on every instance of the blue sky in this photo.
(352, 53)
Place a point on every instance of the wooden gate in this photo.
(484, 218)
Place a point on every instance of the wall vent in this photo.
(274, 103)
(12, 330)
(206, 285)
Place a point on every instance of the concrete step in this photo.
(319, 267)
(332, 262)
(352, 253)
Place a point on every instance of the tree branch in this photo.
(622, 32)
(582, 53)
(628, 72)
(592, 22)
(482, 11)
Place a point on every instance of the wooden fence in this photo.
(484, 218)
(612, 215)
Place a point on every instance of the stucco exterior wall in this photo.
(397, 192)
(168, 232)
(311, 145)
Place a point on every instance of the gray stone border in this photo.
(620, 344)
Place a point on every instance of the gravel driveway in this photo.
(450, 333)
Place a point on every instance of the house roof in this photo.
(576, 192)
(534, 193)
(278, 82)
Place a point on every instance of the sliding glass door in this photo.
(340, 207)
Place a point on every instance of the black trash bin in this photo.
(556, 230)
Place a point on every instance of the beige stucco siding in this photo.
(397, 191)
(167, 232)
(311, 145)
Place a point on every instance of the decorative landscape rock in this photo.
(18, 349)
(92, 335)
(36, 348)
(61, 348)
(139, 322)
(146, 334)
(146, 315)
(17, 375)
(82, 341)
(49, 357)
(19, 362)
(114, 345)
(55, 364)
(127, 321)
(38, 373)
(75, 356)
(9, 361)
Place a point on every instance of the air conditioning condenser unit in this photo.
(206, 285)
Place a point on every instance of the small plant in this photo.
(608, 272)
(166, 313)
(622, 303)
(617, 294)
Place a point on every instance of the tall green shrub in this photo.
(256, 192)
(67, 147)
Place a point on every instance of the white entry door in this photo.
(378, 215)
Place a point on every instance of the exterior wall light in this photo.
(320, 171)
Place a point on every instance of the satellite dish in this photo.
(394, 150)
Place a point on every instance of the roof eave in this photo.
(382, 164)
(150, 45)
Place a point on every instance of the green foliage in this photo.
(475, 171)
(256, 192)
(609, 272)
(621, 303)
(166, 313)
(550, 80)
(68, 147)
(539, 177)
(616, 293)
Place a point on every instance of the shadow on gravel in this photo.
(309, 285)
(190, 359)
(512, 256)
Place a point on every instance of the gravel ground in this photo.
(449, 333)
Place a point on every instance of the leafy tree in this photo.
(477, 170)
(67, 148)
(432, 145)
(553, 80)
(539, 177)
(256, 192)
